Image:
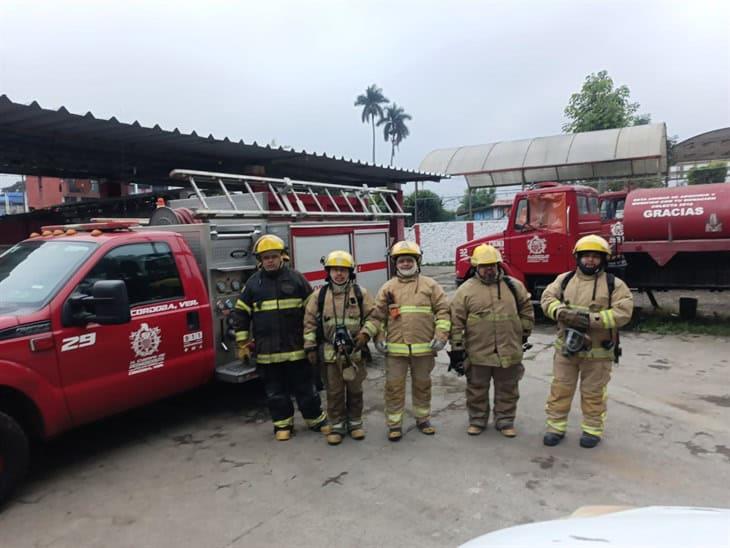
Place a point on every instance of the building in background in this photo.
(50, 191)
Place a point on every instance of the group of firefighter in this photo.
(293, 331)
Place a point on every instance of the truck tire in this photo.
(14, 455)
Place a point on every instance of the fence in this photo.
(439, 241)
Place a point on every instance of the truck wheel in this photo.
(14, 454)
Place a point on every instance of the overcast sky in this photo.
(468, 72)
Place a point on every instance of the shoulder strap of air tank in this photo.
(511, 285)
(564, 283)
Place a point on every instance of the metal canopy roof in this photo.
(713, 145)
(624, 152)
(57, 143)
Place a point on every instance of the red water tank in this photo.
(681, 213)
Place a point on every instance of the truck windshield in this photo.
(31, 272)
(542, 211)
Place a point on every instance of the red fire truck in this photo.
(664, 238)
(101, 317)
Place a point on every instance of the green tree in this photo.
(599, 105)
(714, 172)
(430, 208)
(371, 102)
(481, 197)
(394, 127)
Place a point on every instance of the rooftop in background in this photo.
(636, 151)
(713, 145)
(57, 143)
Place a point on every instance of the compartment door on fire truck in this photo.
(109, 368)
(371, 247)
(310, 244)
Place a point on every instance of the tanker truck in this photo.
(675, 238)
(663, 238)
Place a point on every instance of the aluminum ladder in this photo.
(356, 201)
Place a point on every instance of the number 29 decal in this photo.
(74, 343)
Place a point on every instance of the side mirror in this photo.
(619, 214)
(107, 305)
(111, 303)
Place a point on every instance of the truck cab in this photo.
(544, 224)
(94, 322)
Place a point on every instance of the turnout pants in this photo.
(284, 380)
(594, 376)
(506, 394)
(396, 370)
(344, 398)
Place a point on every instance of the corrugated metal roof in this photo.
(38, 141)
(624, 152)
(712, 145)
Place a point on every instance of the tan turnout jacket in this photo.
(579, 295)
(423, 314)
(334, 308)
(489, 323)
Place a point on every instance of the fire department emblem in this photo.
(536, 245)
(617, 229)
(145, 341)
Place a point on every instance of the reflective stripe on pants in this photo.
(396, 371)
(594, 376)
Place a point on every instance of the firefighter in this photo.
(273, 299)
(492, 317)
(337, 328)
(589, 306)
(413, 311)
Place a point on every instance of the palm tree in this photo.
(394, 127)
(370, 102)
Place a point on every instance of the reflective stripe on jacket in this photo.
(489, 323)
(604, 321)
(422, 314)
(334, 306)
(270, 310)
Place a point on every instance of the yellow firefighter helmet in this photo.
(485, 254)
(404, 247)
(592, 242)
(340, 259)
(268, 242)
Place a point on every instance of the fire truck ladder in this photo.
(355, 201)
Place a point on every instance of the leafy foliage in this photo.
(430, 208)
(481, 197)
(714, 172)
(371, 102)
(599, 105)
(394, 127)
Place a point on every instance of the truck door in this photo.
(371, 247)
(108, 368)
(539, 239)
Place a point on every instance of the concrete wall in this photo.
(439, 241)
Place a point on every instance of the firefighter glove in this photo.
(361, 340)
(312, 357)
(381, 346)
(437, 345)
(575, 318)
(244, 350)
(456, 363)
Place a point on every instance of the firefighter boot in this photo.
(508, 431)
(589, 441)
(474, 430)
(357, 432)
(283, 434)
(334, 438)
(551, 439)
